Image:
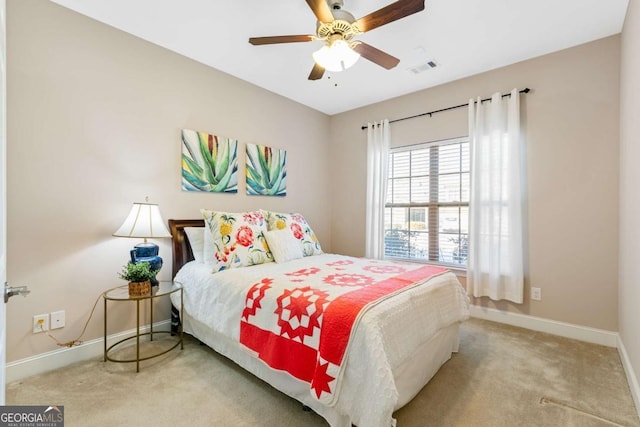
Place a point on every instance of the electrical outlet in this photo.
(536, 294)
(57, 319)
(40, 323)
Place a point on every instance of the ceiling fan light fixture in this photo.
(336, 57)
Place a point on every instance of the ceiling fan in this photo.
(337, 28)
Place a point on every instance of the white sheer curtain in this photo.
(378, 142)
(495, 259)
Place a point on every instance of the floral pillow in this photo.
(237, 239)
(298, 227)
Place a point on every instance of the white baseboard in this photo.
(567, 330)
(632, 379)
(55, 359)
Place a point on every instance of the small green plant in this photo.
(138, 272)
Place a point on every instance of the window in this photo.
(427, 208)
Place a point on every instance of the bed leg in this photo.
(305, 408)
(175, 320)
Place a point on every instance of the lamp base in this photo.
(147, 252)
(145, 249)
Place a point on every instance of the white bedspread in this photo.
(386, 337)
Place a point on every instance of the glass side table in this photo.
(120, 294)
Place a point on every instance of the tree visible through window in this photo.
(427, 208)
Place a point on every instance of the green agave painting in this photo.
(209, 162)
(266, 171)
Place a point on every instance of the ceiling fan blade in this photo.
(321, 9)
(390, 13)
(376, 55)
(280, 39)
(316, 73)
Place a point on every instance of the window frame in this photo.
(431, 207)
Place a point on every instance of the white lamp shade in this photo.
(144, 221)
(337, 57)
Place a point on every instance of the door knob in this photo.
(10, 291)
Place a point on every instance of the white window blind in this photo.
(427, 206)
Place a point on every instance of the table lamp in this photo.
(144, 221)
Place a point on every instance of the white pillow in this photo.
(208, 252)
(283, 245)
(195, 235)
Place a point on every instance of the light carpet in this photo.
(502, 376)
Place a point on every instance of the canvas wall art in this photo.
(266, 171)
(209, 162)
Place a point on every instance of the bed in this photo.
(394, 347)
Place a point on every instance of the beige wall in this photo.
(94, 119)
(629, 292)
(571, 131)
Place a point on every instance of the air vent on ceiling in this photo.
(427, 65)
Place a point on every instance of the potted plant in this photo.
(139, 276)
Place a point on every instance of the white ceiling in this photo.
(464, 37)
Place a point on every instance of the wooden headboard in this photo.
(181, 249)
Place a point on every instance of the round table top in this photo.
(121, 293)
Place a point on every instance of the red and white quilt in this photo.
(300, 321)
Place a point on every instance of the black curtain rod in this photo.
(525, 90)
